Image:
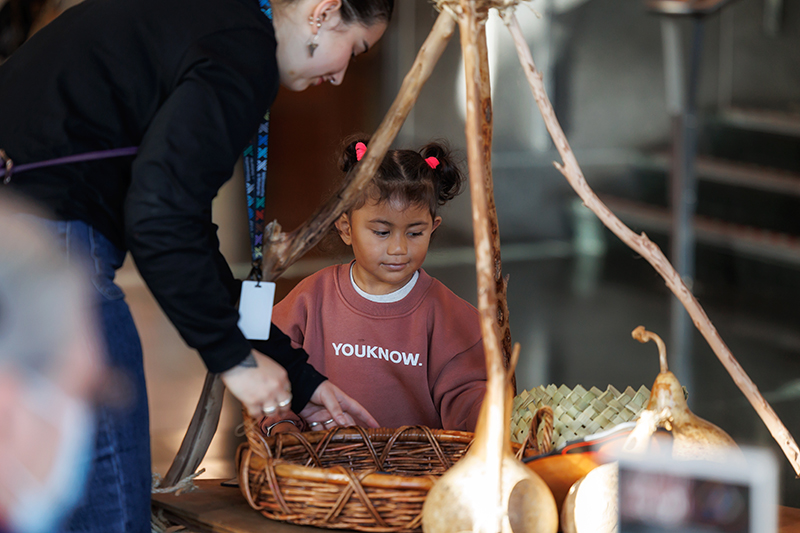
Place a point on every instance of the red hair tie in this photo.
(432, 162)
(361, 149)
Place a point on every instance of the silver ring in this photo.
(328, 421)
(269, 410)
(314, 424)
(286, 403)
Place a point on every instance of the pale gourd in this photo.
(489, 490)
(592, 503)
(693, 437)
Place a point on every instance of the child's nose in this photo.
(398, 245)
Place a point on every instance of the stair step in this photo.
(738, 238)
(768, 121)
(682, 7)
(740, 174)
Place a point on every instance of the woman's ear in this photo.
(344, 229)
(327, 11)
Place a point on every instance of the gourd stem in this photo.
(642, 335)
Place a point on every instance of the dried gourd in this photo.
(591, 505)
(693, 437)
(592, 502)
(489, 490)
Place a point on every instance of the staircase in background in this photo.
(735, 180)
(748, 198)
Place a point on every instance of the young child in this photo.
(389, 335)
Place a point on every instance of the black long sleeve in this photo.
(304, 378)
(187, 81)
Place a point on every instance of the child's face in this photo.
(389, 240)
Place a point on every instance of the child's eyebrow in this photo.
(387, 223)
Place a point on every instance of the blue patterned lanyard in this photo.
(255, 176)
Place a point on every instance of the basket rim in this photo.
(354, 433)
(335, 475)
(268, 449)
(377, 479)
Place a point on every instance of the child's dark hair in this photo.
(408, 176)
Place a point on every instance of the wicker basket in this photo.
(376, 480)
(576, 412)
(346, 478)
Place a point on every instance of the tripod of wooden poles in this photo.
(285, 248)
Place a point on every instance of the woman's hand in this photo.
(330, 407)
(261, 384)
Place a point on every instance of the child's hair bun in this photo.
(349, 157)
(449, 179)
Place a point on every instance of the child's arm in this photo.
(459, 389)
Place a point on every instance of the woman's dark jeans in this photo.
(117, 497)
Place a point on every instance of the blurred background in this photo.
(575, 291)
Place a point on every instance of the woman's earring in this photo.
(312, 45)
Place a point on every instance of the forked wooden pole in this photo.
(647, 249)
(493, 437)
(284, 249)
(486, 128)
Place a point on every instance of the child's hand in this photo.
(330, 406)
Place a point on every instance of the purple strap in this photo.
(88, 156)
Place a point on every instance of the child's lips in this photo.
(394, 266)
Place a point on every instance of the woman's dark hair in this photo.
(407, 176)
(367, 12)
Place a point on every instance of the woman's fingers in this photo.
(261, 384)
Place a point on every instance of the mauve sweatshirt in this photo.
(416, 361)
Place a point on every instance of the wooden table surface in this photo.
(213, 508)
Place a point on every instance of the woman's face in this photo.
(337, 44)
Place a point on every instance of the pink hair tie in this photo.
(432, 162)
(361, 149)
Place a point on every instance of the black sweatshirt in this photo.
(187, 81)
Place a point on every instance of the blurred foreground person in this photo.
(50, 368)
(187, 86)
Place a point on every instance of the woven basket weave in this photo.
(346, 478)
(376, 480)
(576, 412)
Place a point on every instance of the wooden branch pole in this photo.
(283, 250)
(647, 249)
(494, 436)
(486, 128)
(488, 490)
(200, 432)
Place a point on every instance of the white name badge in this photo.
(255, 309)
